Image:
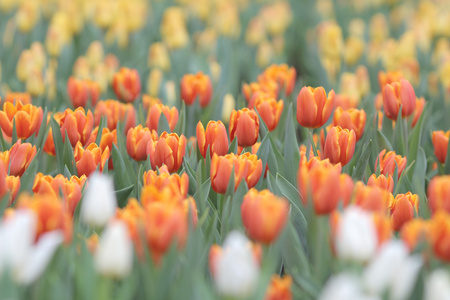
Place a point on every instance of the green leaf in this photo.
(43, 130)
(68, 158)
(362, 161)
(291, 149)
(263, 130)
(180, 128)
(381, 142)
(233, 146)
(59, 145)
(122, 195)
(3, 146)
(14, 133)
(294, 257)
(163, 124)
(102, 125)
(121, 178)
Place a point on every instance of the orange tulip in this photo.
(420, 105)
(78, 124)
(169, 150)
(264, 215)
(267, 87)
(388, 161)
(388, 77)
(440, 143)
(127, 84)
(346, 101)
(134, 217)
(439, 193)
(282, 75)
(70, 189)
(14, 97)
(339, 145)
(385, 182)
(313, 106)
(193, 85)
(167, 194)
(109, 137)
(372, 198)
(439, 235)
(383, 227)
(325, 187)
(398, 94)
(50, 214)
(137, 140)
(154, 114)
(246, 166)
(279, 288)
(403, 208)
(20, 157)
(414, 232)
(270, 110)
(82, 91)
(244, 124)
(27, 119)
(8, 184)
(114, 111)
(352, 119)
(215, 138)
(148, 101)
(165, 179)
(87, 160)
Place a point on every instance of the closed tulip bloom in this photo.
(372, 198)
(196, 85)
(385, 182)
(403, 208)
(439, 193)
(339, 145)
(115, 111)
(439, 235)
(351, 119)
(270, 111)
(414, 232)
(137, 140)
(168, 150)
(127, 84)
(314, 107)
(282, 74)
(154, 114)
(244, 124)
(267, 87)
(114, 254)
(398, 94)
(279, 288)
(388, 78)
(78, 124)
(420, 105)
(388, 162)
(82, 91)
(440, 143)
(13, 187)
(89, 159)
(27, 119)
(254, 170)
(20, 157)
(264, 215)
(215, 137)
(179, 183)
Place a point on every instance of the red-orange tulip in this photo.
(20, 157)
(313, 106)
(267, 87)
(439, 193)
(398, 94)
(264, 215)
(244, 124)
(8, 184)
(215, 138)
(14, 97)
(137, 140)
(388, 77)
(414, 232)
(87, 160)
(154, 114)
(282, 75)
(114, 111)
(78, 124)
(372, 198)
(27, 119)
(109, 137)
(403, 208)
(82, 91)
(385, 182)
(388, 161)
(440, 143)
(352, 119)
(180, 184)
(339, 145)
(127, 84)
(196, 85)
(270, 110)
(439, 235)
(168, 150)
(279, 288)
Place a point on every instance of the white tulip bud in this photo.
(356, 238)
(99, 203)
(437, 286)
(114, 255)
(236, 270)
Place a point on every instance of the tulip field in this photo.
(224, 149)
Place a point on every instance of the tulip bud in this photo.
(127, 84)
(196, 85)
(389, 161)
(99, 203)
(81, 91)
(372, 198)
(440, 143)
(439, 235)
(314, 107)
(399, 94)
(114, 111)
(154, 114)
(169, 150)
(89, 159)
(270, 110)
(439, 193)
(437, 285)
(114, 254)
(403, 208)
(279, 288)
(414, 232)
(215, 138)
(27, 119)
(282, 75)
(351, 119)
(339, 145)
(137, 140)
(20, 157)
(244, 124)
(383, 182)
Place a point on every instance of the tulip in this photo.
(13, 187)
(179, 183)
(439, 235)
(169, 150)
(215, 138)
(403, 208)
(27, 119)
(398, 94)
(133, 215)
(114, 111)
(264, 215)
(279, 288)
(114, 255)
(356, 237)
(282, 75)
(314, 107)
(14, 97)
(78, 125)
(148, 101)
(383, 226)
(20, 157)
(82, 91)
(89, 159)
(244, 124)
(270, 111)
(414, 232)
(420, 105)
(351, 119)
(108, 138)
(372, 198)
(437, 285)
(440, 143)
(339, 145)
(388, 77)
(196, 85)
(342, 287)
(389, 161)
(267, 86)
(154, 114)
(439, 193)
(384, 182)
(137, 140)
(127, 84)
(99, 203)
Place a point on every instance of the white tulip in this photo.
(99, 203)
(114, 255)
(237, 270)
(437, 286)
(356, 238)
(344, 286)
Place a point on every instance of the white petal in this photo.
(437, 286)
(405, 277)
(344, 286)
